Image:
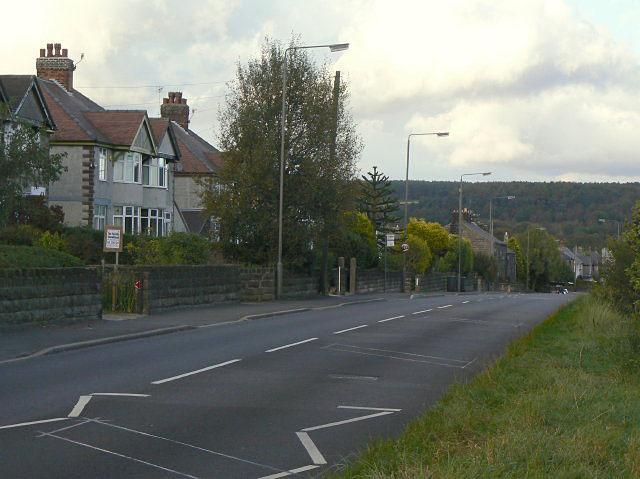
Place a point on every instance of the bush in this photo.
(20, 235)
(55, 241)
(33, 257)
(86, 243)
(178, 248)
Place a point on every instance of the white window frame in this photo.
(102, 164)
(128, 169)
(155, 173)
(128, 217)
(152, 221)
(99, 217)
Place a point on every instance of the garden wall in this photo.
(45, 295)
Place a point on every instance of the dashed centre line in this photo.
(289, 345)
(423, 311)
(445, 306)
(390, 319)
(351, 329)
(465, 302)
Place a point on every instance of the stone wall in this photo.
(372, 280)
(431, 282)
(46, 295)
(300, 285)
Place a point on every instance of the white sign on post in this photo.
(391, 239)
(113, 239)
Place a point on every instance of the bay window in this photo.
(127, 169)
(154, 172)
(128, 217)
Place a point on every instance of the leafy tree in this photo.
(320, 158)
(616, 285)
(356, 239)
(434, 234)
(520, 261)
(24, 161)
(418, 257)
(545, 260)
(449, 262)
(486, 266)
(377, 202)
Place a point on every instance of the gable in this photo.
(143, 141)
(166, 147)
(31, 108)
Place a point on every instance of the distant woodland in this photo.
(569, 211)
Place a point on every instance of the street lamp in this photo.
(604, 220)
(487, 173)
(510, 197)
(334, 47)
(540, 228)
(406, 198)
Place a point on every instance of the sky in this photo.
(531, 90)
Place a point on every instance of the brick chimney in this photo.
(175, 108)
(56, 65)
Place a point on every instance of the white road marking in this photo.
(80, 423)
(77, 409)
(121, 394)
(423, 311)
(346, 421)
(390, 319)
(118, 455)
(445, 306)
(370, 408)
(465, 302)
(350, 329)
(289, 345)
(309, 445)
(336, 347)
(246, 461)
(191, 373)
(289, 473)
(43, 421)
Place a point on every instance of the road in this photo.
(292, 395)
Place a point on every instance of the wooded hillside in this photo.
(570, 211)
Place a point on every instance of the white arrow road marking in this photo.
(346, 421)
(11, 426)
(311, 448)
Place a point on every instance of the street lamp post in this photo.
(540, 228)
(460, 225)
(510, 197)
(334, 47)
(604, 220)
(406, 198)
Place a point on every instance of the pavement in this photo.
(50, 339)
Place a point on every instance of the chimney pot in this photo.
(42, 52)
(178, 97)
(65, 52)
(172, 97)
(49, 49)
(184, 101)
(57, 47)
(165, 101)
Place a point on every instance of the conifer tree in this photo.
(378, 203)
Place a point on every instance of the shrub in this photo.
(20, 235)
(178, 248)
(86, 243)
(32, 257)
(53, 241)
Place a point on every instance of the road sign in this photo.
(391, 239)
(113, 239)
(405, 247)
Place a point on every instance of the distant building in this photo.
(482, 242)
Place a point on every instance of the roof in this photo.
(195, 221)
(197, 155)
(568, 254)
(487, 235)
(119, 127)
(25, 99)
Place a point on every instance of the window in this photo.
(99, 216)
(127, 169)
(154, 172)
(102, 164)
(152, 221)
(128, 217)
(167, 223)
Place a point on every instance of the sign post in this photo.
(390, 242)
(113, 244)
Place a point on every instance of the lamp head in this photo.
(339, 47)
(511, 197)
(486, 173)
(443, 133)
(601, 220)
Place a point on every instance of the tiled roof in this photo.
(197, 156)
(159, 129)
(119, 127)
(15, 90)
(15, 87)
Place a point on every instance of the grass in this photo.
(564, 402)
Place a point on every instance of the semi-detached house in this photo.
(120, 162)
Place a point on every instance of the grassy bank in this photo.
(564, 402)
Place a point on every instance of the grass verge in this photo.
(564, 402)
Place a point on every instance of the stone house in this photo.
(482, 242)
(120, 162)
(199, 160)
(24, 102)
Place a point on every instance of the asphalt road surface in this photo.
(293, 395)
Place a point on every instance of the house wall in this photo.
(67, 192)
(188, 192)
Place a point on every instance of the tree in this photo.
(545, 260)
(448, 263)
(486, 266)
(321, 150)
(24, 161)
(434, 234)
(418, 257)
(356, 239)
(377, 202)
(520, 261)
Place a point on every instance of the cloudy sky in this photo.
(531, 90)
